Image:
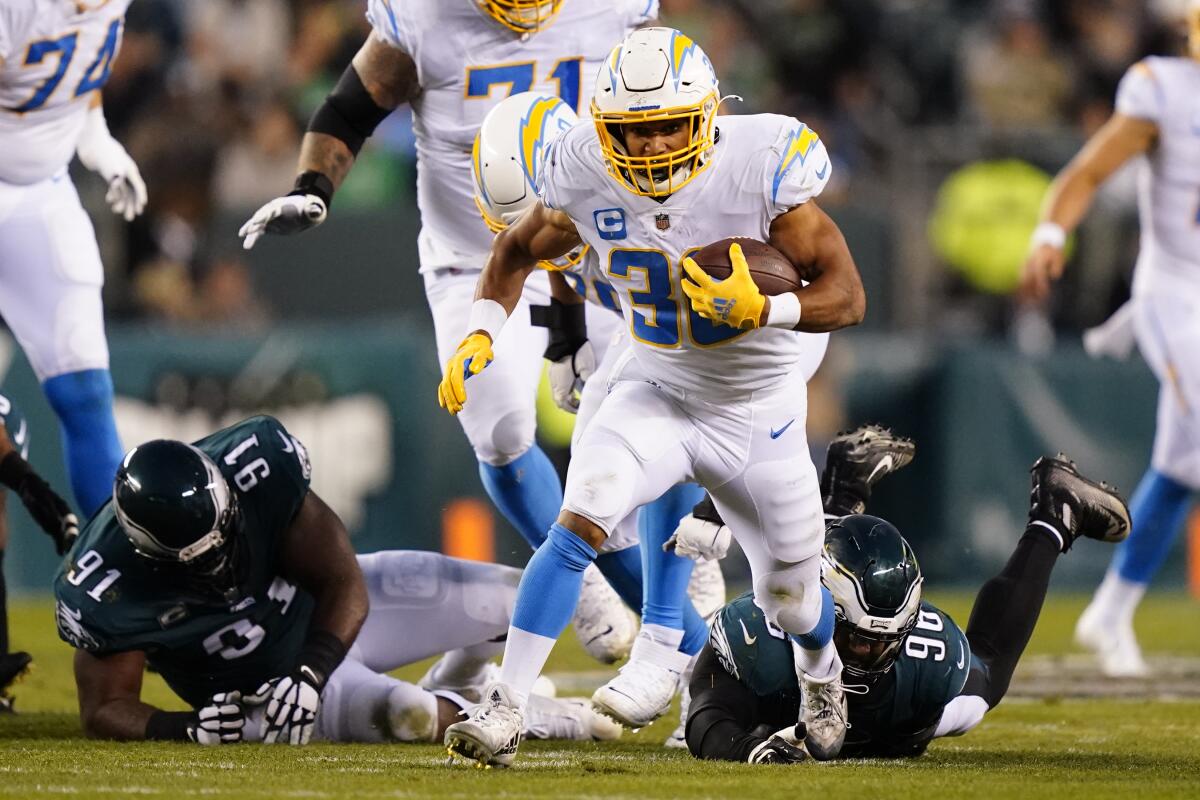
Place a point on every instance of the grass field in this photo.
(1028, 748)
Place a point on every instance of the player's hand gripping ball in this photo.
(470, 358)
(735, 301)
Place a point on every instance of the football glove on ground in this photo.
(701, 535)
(735, 301)
(292, 705)
(777, 750)
(470, 358)
(219, 722)
(285, 215)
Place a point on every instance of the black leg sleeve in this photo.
(1006, 611)
(3, 609)
(721, 714)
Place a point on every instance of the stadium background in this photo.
(945, 119)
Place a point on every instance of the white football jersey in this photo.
(1166, 91)
(762, 166)
(53, 55)
(467, 63)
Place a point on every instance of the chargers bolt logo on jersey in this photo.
(610, 223)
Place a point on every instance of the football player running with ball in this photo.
(718, 403)
(1157, 117)
(54, 59)
(910, 673)
(453, 61)
(216, 565)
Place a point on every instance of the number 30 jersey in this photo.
(53, 55)
(466, 64)
(111, 600)
(761, 166)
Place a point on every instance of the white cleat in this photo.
(491, 733)
(707, 587)
(603, 623)
(641, 692)
(571, 718)
(824, 716)
(1114, 643)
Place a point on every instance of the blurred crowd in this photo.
(211, 99)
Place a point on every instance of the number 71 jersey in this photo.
(468, 62)
(111, 600)
(53, 55)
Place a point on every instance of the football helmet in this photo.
(506, 160)
(177, 510)
(656, 74)
(522, 16)
(1193, 19)
(875, 580)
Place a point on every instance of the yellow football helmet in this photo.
(522, 16)
(656, 74)
(1194, 28)
(506, 159)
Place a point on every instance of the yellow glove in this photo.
(472, 356)
(735, 301)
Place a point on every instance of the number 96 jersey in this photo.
(111, 600)
(53, 55)
(466, 64)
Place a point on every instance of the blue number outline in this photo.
(36, 53)
(568, 93)
(521, 77)
(103, 60)
(704, 333)
(665, 306)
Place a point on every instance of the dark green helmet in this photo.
(178, 510)
(875, 580)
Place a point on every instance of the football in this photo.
(771, 270)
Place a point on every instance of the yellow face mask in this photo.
(665, 174)
(569, 261)
(1194, 31)
(522, 16)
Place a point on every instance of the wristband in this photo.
(322, 653)
(1050, 233)
(314, 183)
(487, 316)
(784, 311)
(170, 726)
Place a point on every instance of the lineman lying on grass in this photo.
(215, 565)
(910, 674)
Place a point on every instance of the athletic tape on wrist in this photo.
(784, 311)
(1050, 233)
(487, 316)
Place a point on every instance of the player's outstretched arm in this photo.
(48, 509)
(318, 558)
(834, 297)
(379, 79)
(1071, 194)
(539, 234)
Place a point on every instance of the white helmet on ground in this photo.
(507, 156)
(656, 74)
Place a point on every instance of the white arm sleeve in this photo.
(1140, 94)
(638, 12)
(798, 169)
(961, 715)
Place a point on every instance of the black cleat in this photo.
(855, 461)
(12, 667)
(1074, 505)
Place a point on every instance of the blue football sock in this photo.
(84, 404)
(667, 575)
(1158, 508)
(623, 571)
(527, 492)
(549, 589)
(821, 635)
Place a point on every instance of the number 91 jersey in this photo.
(53, 55)
(466, 64)
(111, 600)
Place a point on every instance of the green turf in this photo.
(1027, 750)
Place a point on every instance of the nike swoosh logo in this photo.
(775, 434)
(824, 169)
(750, 640)
(885, 465)
(962, 656)
(604, 632)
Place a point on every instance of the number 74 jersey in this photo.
(111, 600)
(53, 56)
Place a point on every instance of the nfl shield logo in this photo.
(662, 221)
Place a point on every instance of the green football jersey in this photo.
(894, 716)
(110, 599)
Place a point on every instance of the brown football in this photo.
(772, 272)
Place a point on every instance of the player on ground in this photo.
(1158, 105)
(54, 59)
(216, 565)
(453, 61)
(910, 673)
(719, 404)
(47, 509)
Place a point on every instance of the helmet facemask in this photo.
(522, 16)
(664, 174)
(867, 655)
